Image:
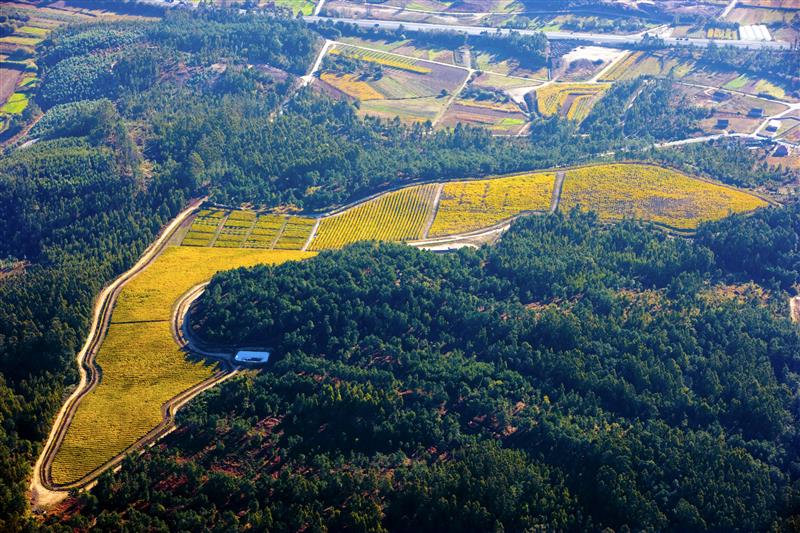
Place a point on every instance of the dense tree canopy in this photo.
(573, 377)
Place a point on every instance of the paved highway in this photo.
(595, 38)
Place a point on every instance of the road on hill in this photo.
(595, 38)
(43, 493)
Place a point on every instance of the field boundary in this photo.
(434, 210)
(89, 372)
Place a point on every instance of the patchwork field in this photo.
(470, 205)
(395, 216)
(246, 229)
(408, 47)
(652, 193)
(500, 118)
(658, 63)
(571, 100)
(408, 88)
(142, 367)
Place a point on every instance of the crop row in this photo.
(382, 58)
(396, 216)
(550, 99)
(471, 205)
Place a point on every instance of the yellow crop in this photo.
(352, 86)
(652, 193)
(470, 205)
(142, 367)
(381, 58)
(396, 216)
(580, 107)
(552, 98)
(295, 233)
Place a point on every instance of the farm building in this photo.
(722, 124)
(251, 357)
(773, 125)
(755, 112)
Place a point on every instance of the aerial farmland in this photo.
(413, 265)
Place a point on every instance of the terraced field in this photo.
(652, 193)
(396, 216)
(142, 367)
(246, 229)
(470, 205)
(572, 100)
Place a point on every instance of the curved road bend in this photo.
(43, 493)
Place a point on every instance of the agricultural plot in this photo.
(235, 230)
(657, 63)
(295, 233)
(304, 7)
(730, 111)
(395, 216)
(470, 205)
(506, 66)
(408, 47)
(411, 89)
(570, 100)
(247, 229)
(204, 228)
(500, 118)
(652, 193)
(142, 367)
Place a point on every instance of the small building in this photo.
(755, 112)
(251, 357)
(781, 151)
(773, 125)
(722, 124)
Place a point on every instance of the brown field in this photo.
(413, 96)
(8, 82)
(502, 120)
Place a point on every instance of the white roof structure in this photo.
(252, 357)
(754, 32)
(774, 125)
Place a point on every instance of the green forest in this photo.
(574, 377)
(609, 344)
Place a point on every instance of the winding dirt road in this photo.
(43, 492)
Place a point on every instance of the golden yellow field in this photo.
(652, 193)
(470, 205)
(350, 85)
(142, 367)
(550, 99)
(381, 58)
(396, 216)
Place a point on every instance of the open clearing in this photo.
(142, 367)
(470, 205)
(652, 193)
